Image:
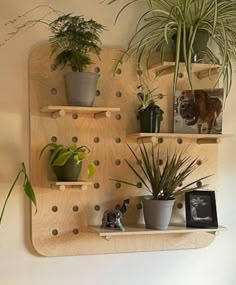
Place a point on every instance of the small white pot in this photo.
(157, 213)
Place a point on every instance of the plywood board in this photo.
(61, 226)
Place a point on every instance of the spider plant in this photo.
(183, 19)
(163, 181)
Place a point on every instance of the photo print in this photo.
(198, 111)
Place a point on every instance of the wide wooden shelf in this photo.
(98, 112)
(153, 137)
(141, 230)
(201, 69)
(62, 185)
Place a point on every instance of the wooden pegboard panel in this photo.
(61, 226)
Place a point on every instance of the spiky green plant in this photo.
(61, 154)
(27, 187)
(183, 19)
(163, 182)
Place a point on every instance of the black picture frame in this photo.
(200, 209)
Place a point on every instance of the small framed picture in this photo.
(198, 111)
(200, 209)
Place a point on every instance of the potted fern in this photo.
(163, 182)
(189, 23)
(73, 39)
(66, 161)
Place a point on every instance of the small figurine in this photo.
(112, 218)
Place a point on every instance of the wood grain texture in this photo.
(61, 226)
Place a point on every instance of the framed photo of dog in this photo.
(200, 209)
(198, 111)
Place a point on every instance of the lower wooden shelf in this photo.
(141, 230)
(62, 185)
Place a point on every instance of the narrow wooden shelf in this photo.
(141, 230)
(200, 69)
(62, 185)
(97, 112)
(154, 137)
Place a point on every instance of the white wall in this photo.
(19, 264)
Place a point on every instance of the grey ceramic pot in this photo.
(81, 88)
(157, 213)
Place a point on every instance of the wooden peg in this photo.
(207, 73)
(100, 115)
(60, 113)
(80, 187)
(58, 187)
(208, 141)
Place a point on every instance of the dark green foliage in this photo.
(73, 38)
(163, 182)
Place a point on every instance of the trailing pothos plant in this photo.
(163, 181)
(27, 188)
(183, 19)
(61, 154)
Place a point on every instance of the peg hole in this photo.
(74, 116)
(53, 91)
(53, 139)
(117, 140)
(96, 139)
(75, 208)
(75, 231)
(97, 208)
(74, 139)
(118, 117)
(54, 232)
(97, 69)
(118, 94)
(54, 209)
(96, 185)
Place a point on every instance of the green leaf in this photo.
(91, 169)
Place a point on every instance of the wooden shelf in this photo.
(62, 185)
(200, 69)
(141, 230)
(97, 112)
(154, 137)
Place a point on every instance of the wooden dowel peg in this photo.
(207, 73)
(208, 141)
(60, 113)
(100, 115)
(147, 140)
(58, 187)
(80, 187)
